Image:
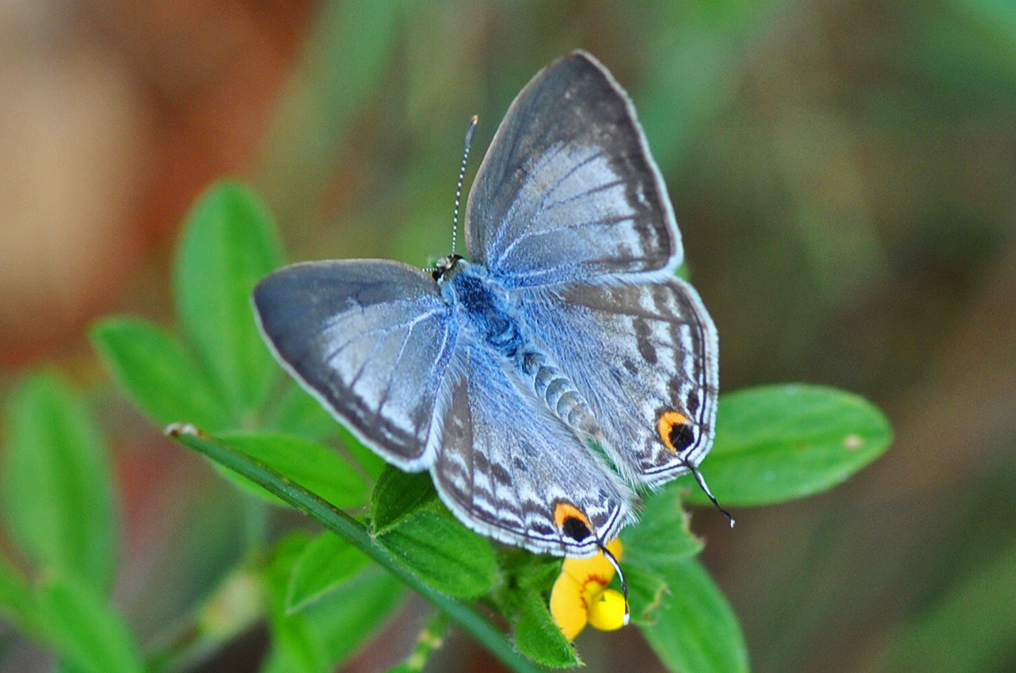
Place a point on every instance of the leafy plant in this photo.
(217, 389)
(59, 507)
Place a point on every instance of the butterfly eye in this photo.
(675, 431)
(572, 522)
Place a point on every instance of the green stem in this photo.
(355, 533)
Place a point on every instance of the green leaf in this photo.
(318, 638)
(521, 571)
(158, 374)
(300, 414)
(661, 536)
(17, 605)
(970, 629)
(57, 485)
(326, 563)
(227, 246)
(86, 631)
(659, 540)
(317, 468)
(292, 635)
(528, 570)
(346, 618)
(695, 629)
(538, 637)
(397, 496)
(777, 443)
(371, 463)
(646, 593)
(443, 553)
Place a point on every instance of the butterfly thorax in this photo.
(485, 309)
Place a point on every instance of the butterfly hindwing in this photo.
(510, 470)
(568, 189)
(370, 339)
(644, 356)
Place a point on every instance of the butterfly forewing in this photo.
(567, 189)
(370, 339)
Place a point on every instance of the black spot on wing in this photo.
(500, 474)
(692, 402)
(576, 529)
(674, 385)
(645, 345)
(682, 436)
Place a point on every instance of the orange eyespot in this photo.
(565, 511)
(572, 521)
(675, 431)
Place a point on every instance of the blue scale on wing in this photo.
(571, 194)
(371, 340)
(646, 351)
(506, 466)
(488, 317)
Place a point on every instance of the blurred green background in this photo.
(843, 174)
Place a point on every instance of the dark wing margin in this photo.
(568, 189)
(370, 339)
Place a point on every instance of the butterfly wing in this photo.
(568, 189)
(645, 357)
(511, 471)
(570, 211)
(371, 340)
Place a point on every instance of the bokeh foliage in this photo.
(842, 176)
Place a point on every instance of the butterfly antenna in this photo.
(462, 176)
(620, 576)
(705, 489)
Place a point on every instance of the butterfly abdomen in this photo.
(486, 311)
(555, 388)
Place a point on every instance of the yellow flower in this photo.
(581, 596)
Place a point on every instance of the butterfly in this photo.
(557, 374)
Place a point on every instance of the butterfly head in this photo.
(448, 267)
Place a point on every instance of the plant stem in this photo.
(356, 533)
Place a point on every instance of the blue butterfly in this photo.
(556, 374)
